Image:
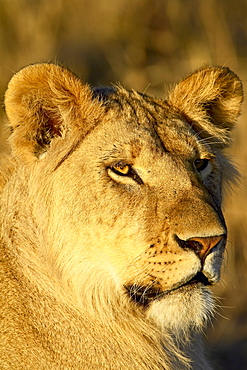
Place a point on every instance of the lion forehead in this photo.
(141, 121)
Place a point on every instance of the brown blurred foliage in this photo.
(147, 45)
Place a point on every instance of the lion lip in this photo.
(198, 278)
(143, 295)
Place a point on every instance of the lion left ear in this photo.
(210, 100)
(45, 102)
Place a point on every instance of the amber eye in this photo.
(201, 164)
(125, 170)
(121, 169)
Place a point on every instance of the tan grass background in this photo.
(147, 45)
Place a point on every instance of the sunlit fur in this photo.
(80, 242)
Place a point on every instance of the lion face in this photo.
(154, 218)
(138, 195)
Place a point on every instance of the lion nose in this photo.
(202, 246)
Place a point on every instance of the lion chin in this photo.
(111, 229)
(183, 310)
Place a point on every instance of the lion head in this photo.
(120, 192)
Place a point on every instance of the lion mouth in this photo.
(144, 295)
(198, 278)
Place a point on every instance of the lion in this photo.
(111, 225)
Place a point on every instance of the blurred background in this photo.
(148, 45)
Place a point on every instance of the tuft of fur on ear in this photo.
(45, 101)
(210, 100)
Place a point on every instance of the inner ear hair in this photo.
(50, 127)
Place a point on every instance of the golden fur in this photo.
(111, 221)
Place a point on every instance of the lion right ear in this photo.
(45, 102)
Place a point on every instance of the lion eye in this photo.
(125, 170)
(121, 169)
(201, 164)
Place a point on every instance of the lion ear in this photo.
(46, 102)
(210, 100)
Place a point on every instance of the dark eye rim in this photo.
(131, 172)
(201, 164)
